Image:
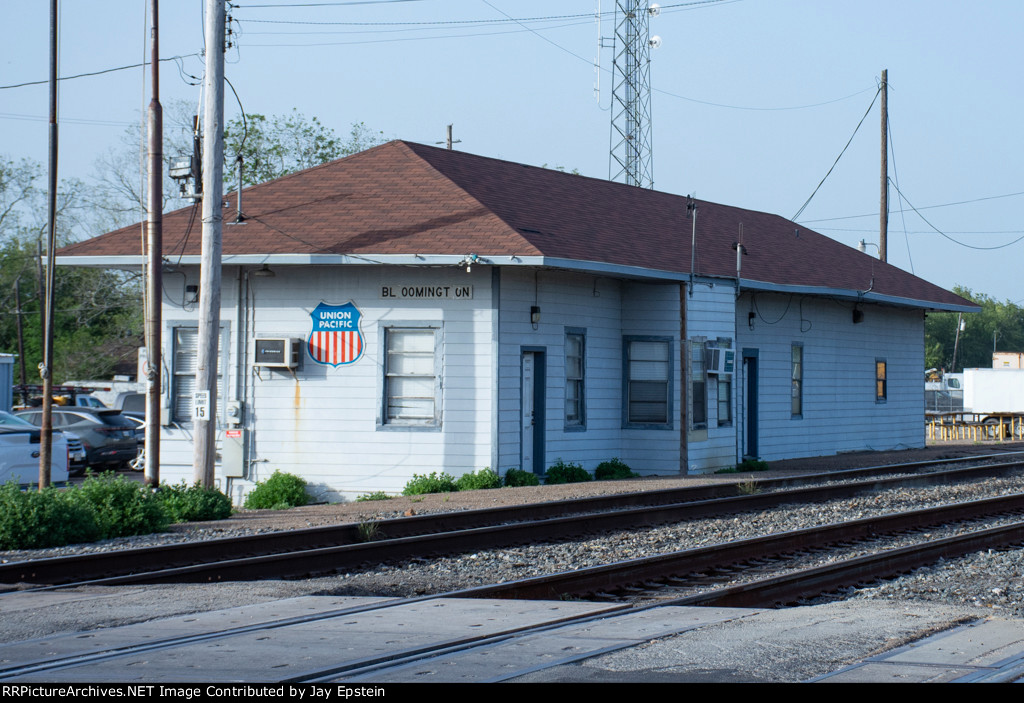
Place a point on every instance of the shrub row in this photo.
(560, 472)
(102, 507)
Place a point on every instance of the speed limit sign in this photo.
(201, 405)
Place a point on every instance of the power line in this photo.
(95, 73)
(808, 201)
(955, 241)
(926, 207)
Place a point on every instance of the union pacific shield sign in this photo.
(335, 338)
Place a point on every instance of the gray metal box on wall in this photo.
(232, 454)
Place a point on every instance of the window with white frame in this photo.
(411, 388)
(724, 400)
(648, 381)
(797, 381)
(184, 364)
(575, 404)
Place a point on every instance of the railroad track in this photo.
(323, 550)
(658, 578)
(160, 654)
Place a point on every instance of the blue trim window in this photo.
(575, 373)
(881, 389)
(698, 385)
(648, 379)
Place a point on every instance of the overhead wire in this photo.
(924, 207)
(96, 73)
(856, 129)
(955, 241)
(903, 217)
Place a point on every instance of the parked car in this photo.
(19, 452)
(108, 436)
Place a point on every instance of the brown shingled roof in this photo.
(404, 198)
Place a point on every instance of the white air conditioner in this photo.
(277, 352)
(721, 361)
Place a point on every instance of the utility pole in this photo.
(883, 213)
(204, 402)
(154, 282)
(46, 368)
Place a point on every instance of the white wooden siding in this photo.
(711, 313)
(323, 422)
(840, 412)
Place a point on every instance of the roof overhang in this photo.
(862, 296)
(412, 260)
(455, 260)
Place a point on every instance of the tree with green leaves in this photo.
(282, 144)
(997, 327)
(97, 320)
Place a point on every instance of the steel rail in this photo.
(853, 572)
(294, 553)
(623, 574)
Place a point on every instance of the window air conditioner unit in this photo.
(721, 361)
(277, 352)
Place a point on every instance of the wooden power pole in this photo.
(883, 213)
(46, 369)
(204, 402)
(154, 265)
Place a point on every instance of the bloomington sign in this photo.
(417, 292)
(335, 338)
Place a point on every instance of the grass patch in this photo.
(749, 487)
(376, 495)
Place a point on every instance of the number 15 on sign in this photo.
(200, 405)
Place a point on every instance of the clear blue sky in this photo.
(723, 80)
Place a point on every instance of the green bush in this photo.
(185, 503)
(50, 518)
(560, 472)
(432, 483)
(279, 492)
(123, 507)
(752, 465)
(376, 495)
(613, 470)
(518, 477)
(484, 478)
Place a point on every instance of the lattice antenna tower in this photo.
(631, 153)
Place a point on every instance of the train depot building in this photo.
(411, 309)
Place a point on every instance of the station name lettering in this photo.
(427, 292)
